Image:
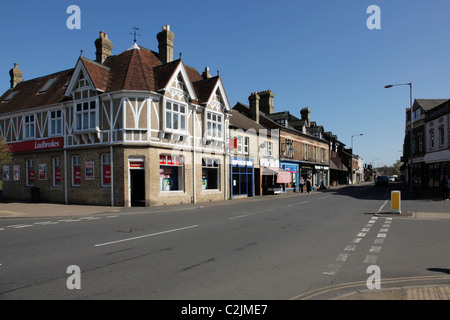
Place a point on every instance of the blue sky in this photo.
(317, 54)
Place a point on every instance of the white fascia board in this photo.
(187, 81)
(74, 80)
(219, 85)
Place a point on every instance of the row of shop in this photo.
(104, 178)
(249, 180)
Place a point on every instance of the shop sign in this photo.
(291, 168)
(241, 162)
(271, 163)
(34, 145)
(137, 164)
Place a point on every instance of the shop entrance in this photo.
(137, 184)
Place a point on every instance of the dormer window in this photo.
(85, 103)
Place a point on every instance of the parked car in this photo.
(391, 179)
(381, 181)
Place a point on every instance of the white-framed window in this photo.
(246, 145)
(85, 102)
(171, 173)
(106, 170)
(323, 155)
(305, 151)
(210, 174)
(57, 172)
(31, 172)
(175, 117)
(85, 115)
(55, 123)
(240, 146)
(76, 171)
(315, 153)
(270, 148)
(29, 127)
(214, 125)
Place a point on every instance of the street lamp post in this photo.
(411, 131)
(356, 135)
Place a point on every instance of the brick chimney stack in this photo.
(165, 44)
(104, 47)
(254, 106)
(305, 112)
(206, 74)
(16, 75)
(266, 105)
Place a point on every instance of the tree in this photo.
(5, 153)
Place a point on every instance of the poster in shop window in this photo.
(89, 170)
(16, 173)
(42, 172)
(5, 173)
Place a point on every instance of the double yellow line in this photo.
(320, 291)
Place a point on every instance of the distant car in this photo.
(381, 181)
(391, 179)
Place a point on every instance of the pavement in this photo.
(432, 208)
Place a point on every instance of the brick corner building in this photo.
(137, 128)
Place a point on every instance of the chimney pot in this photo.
(266, 101)
(165, 44)
(254, 106)
(305, 112)
(104, 47)
(206, 74)
(16, 75)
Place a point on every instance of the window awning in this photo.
(282, 175)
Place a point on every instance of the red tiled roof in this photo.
(28, 95)
(134, 69)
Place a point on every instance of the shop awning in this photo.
(282, 175)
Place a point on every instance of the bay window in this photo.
(214, 125)
(175, 117)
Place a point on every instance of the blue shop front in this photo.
(294, 169)
(242, 177)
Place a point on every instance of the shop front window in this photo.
(171, 173)
(210, 174)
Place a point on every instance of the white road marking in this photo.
(44, 223)
(145, 236)
(375, 249)
(23, 226)
(381, 208)
(249, 214)
(297, 203)
(342, 257)
(371, 259)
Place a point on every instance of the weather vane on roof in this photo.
(135, 33)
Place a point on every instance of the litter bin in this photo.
(35, 195)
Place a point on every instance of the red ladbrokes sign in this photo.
(34, 145)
